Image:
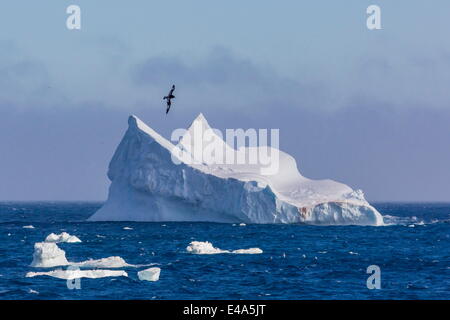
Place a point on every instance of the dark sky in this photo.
(367, 108)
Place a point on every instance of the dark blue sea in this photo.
(298, 261)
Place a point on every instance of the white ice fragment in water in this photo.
(199, 247)
(28, 227)
(33, 291)
(248, 251)
(242, 225)
(247, 192)
(150, 274)
(110, 262)
(127, 228)
(76, 274)
(47, 254)
(62, 237)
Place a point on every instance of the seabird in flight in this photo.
(169, 98)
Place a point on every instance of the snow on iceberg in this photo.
(199, 247)
(62, 237)
(147, 185)
(47, 255)
(76, 274)
(150, 274)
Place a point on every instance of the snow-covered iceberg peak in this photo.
(153, 181)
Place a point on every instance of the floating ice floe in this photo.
(48, 254)
(127, 228)
(62, 237)
(150, 274)
(110, 262)
(28, 227)
(242, 225)
(199, 247)
(76, 274)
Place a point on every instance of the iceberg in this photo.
(248, 251)
(148, 185)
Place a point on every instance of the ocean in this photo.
(298, 261)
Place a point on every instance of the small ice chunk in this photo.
(199, 247)
(110, 262)
(150, 274)
(248, 251)
(47, 254)
(28, 227)
(76, 274)
(242, 225)
(127, 228)
(62, 237)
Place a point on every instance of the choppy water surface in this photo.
(298, 261)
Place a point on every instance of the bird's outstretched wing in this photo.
(169, 98)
